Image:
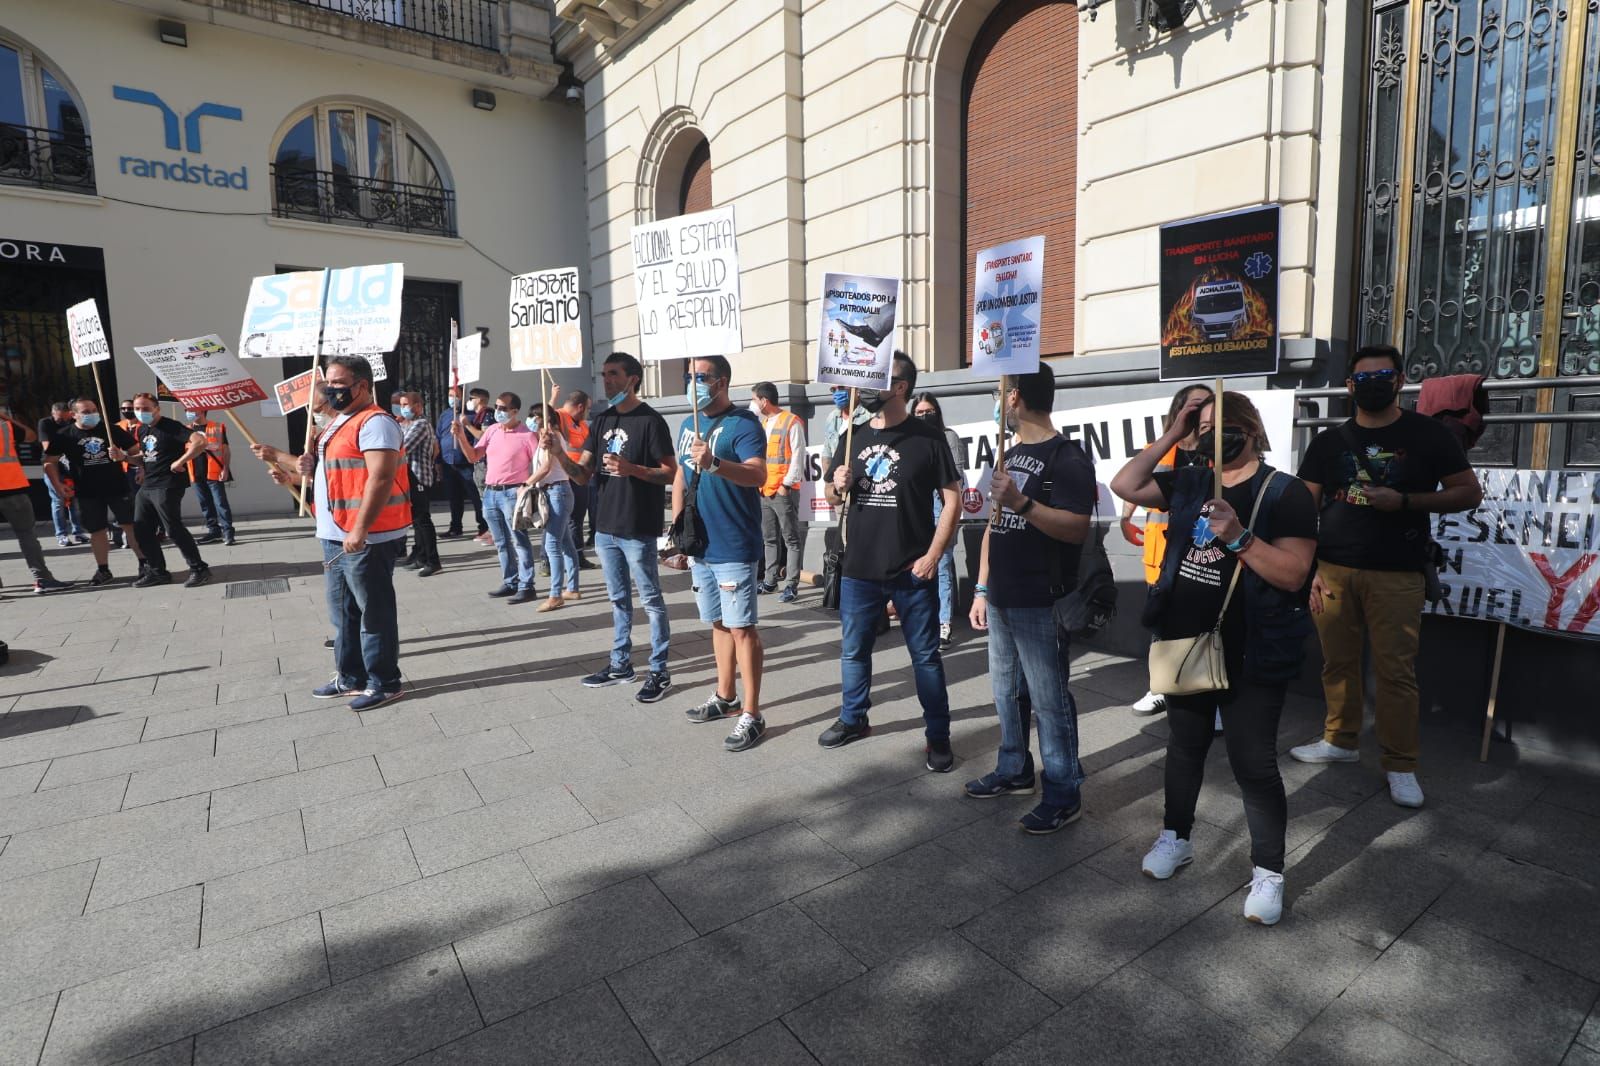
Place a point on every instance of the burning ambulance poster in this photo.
(1219, 296)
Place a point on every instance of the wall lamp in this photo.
(483, 99)
(172, 32)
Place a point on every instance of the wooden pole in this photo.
(251, 440)
(1216, 438)
(316, 367)
(1494, 692)
(849, 460)
(105, 423)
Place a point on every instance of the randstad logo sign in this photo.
(182, 169)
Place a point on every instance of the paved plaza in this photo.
(199, 863)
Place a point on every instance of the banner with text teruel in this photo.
(1219, 296)
(202, 374)
(1528, 555)
(686, 286)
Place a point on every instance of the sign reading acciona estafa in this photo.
(1219, 296)
(202, 374)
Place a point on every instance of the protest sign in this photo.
(1219, 296)
(201, 373)
(1007, 306)
(546, 320)
(88, 337)
(162, 392)
(1528, 555)
(295, 393)
(380, 369)
(469, 358)
(686, 286)
(362, 313)
(857, 335)
(283, 315)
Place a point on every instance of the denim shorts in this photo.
(727, 592)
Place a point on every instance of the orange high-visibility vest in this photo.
(11, 475)
(1155, 528)
(211, 462)
(345, 468)
(779, 455)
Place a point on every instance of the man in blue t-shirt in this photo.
(722, 461)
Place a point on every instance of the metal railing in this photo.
(1307, 400)
(474, 22)
(46, 159)
(351, 200)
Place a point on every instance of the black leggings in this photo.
(163, 506)
(425, 538)
(1250, 730)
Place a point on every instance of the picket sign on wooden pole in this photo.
(1216, 447)
(251, 440)
(311, 402)
(1494, 691)
(849, 459)
(105, 421)
(999, 452)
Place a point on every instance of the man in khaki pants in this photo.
(1377, 479)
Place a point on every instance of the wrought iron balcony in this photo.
(474, 22)
(45, 159)
(349, 200)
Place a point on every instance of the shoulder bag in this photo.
(1185, 666)
(688, 532)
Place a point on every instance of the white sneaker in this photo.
(1322, 751)
(1404, 790)
(1264, 904)
(1150, 703)
(1166, 855)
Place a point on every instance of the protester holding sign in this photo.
(166, 448)
(422, 455)
(63, 512)
(96, 452)
(560, 550)
(1258, 540)
(211, 473)
(630, 454)
(1029, 560)
(507, 447)
(894, 466)
(16, 509)
(458, 480)
(1377, 479)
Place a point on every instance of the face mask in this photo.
(406, 412)
(1374, 394)
(127, 414)
(871, 399)
(338, 398)
(927, 416)
(1233, 442)
(502, 417)
(190, 416)
(455, 403)
(698, 394)
(88, 421)
(841, 398)
(617, 399)
(146, 418)
(319, 417)
(532, 423)
(394, 409)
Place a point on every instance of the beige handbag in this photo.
(1186, 666)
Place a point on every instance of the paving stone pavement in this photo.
(201, 864)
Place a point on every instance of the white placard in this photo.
(283, 315)
(686, 286)
(363, 309)
(201, 373)
(380, 369)
(1008, 308)
(546, 321)
(88, 337)
(469, 358)
(859, 330)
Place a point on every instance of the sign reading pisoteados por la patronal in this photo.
(182, 169)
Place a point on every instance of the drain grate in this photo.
(240, 589)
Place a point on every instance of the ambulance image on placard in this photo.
(1218, 309)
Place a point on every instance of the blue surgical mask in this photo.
(698, 394)
(146, 418)
(398, 411)
(502, 417)
(617, 399)
(190, 416)
(405, 411)
(841, 398)
(532, 423)
(88, 421)
(996, 418)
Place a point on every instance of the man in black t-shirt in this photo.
(894, 465)
(1045, 497)
(630, 454)
(99, 488)
(1377, 479)
(165, 448)
(63, 512)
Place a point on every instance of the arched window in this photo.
(1020, 150)
(44, 138)
(350, 164)
(682, 188)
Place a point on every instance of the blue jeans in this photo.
(622, 558)
(947, 570)
(213, 497)
(366, 627)
(1028, 658)
(513, 545)
(63, 515)
(558, 544)
(860, 606)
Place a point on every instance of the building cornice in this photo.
(592, 31)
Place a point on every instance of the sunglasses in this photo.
(1365, 376)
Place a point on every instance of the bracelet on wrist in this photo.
(1242, 542)
(1026, 506)
(981, 590)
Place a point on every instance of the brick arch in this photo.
(664, 177)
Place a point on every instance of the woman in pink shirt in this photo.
(509, 447)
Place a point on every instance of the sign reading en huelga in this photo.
(857, 336)
(1219, 296)
(202, 374)
(686, 286)
(1528, 555)
(1007, 301)
(546, 320)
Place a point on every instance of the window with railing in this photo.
(474, 22)
(44, 140)
(347, 164)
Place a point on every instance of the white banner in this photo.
(857, 335)
(1528, 555)
(201, 373)
(283, 315)
(469, 358)
(363, 309)
(1007, 308)
(686, 286)
(88, 337)
(546, 320)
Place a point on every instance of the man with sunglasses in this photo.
(895, 465)
(1377, 479)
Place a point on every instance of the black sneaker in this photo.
(102, 576)
(611, 675)
(449, 533)
(197, 577)
(45, 586)
(152, 577)
(745, 734)
(408, 563)
(211, 537)
(504, 591)
(842, 732)
(655, 686)
(328, 643)
(523, 596)
(940, 759)
(764, 589)
(427, 570)
(230, 540)
(712, 709)
(1047, 819)
(989, 786)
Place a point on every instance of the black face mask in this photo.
(338, 398)
(127, 414)
(1374, 394)
(870, 399)
(1233, 442)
